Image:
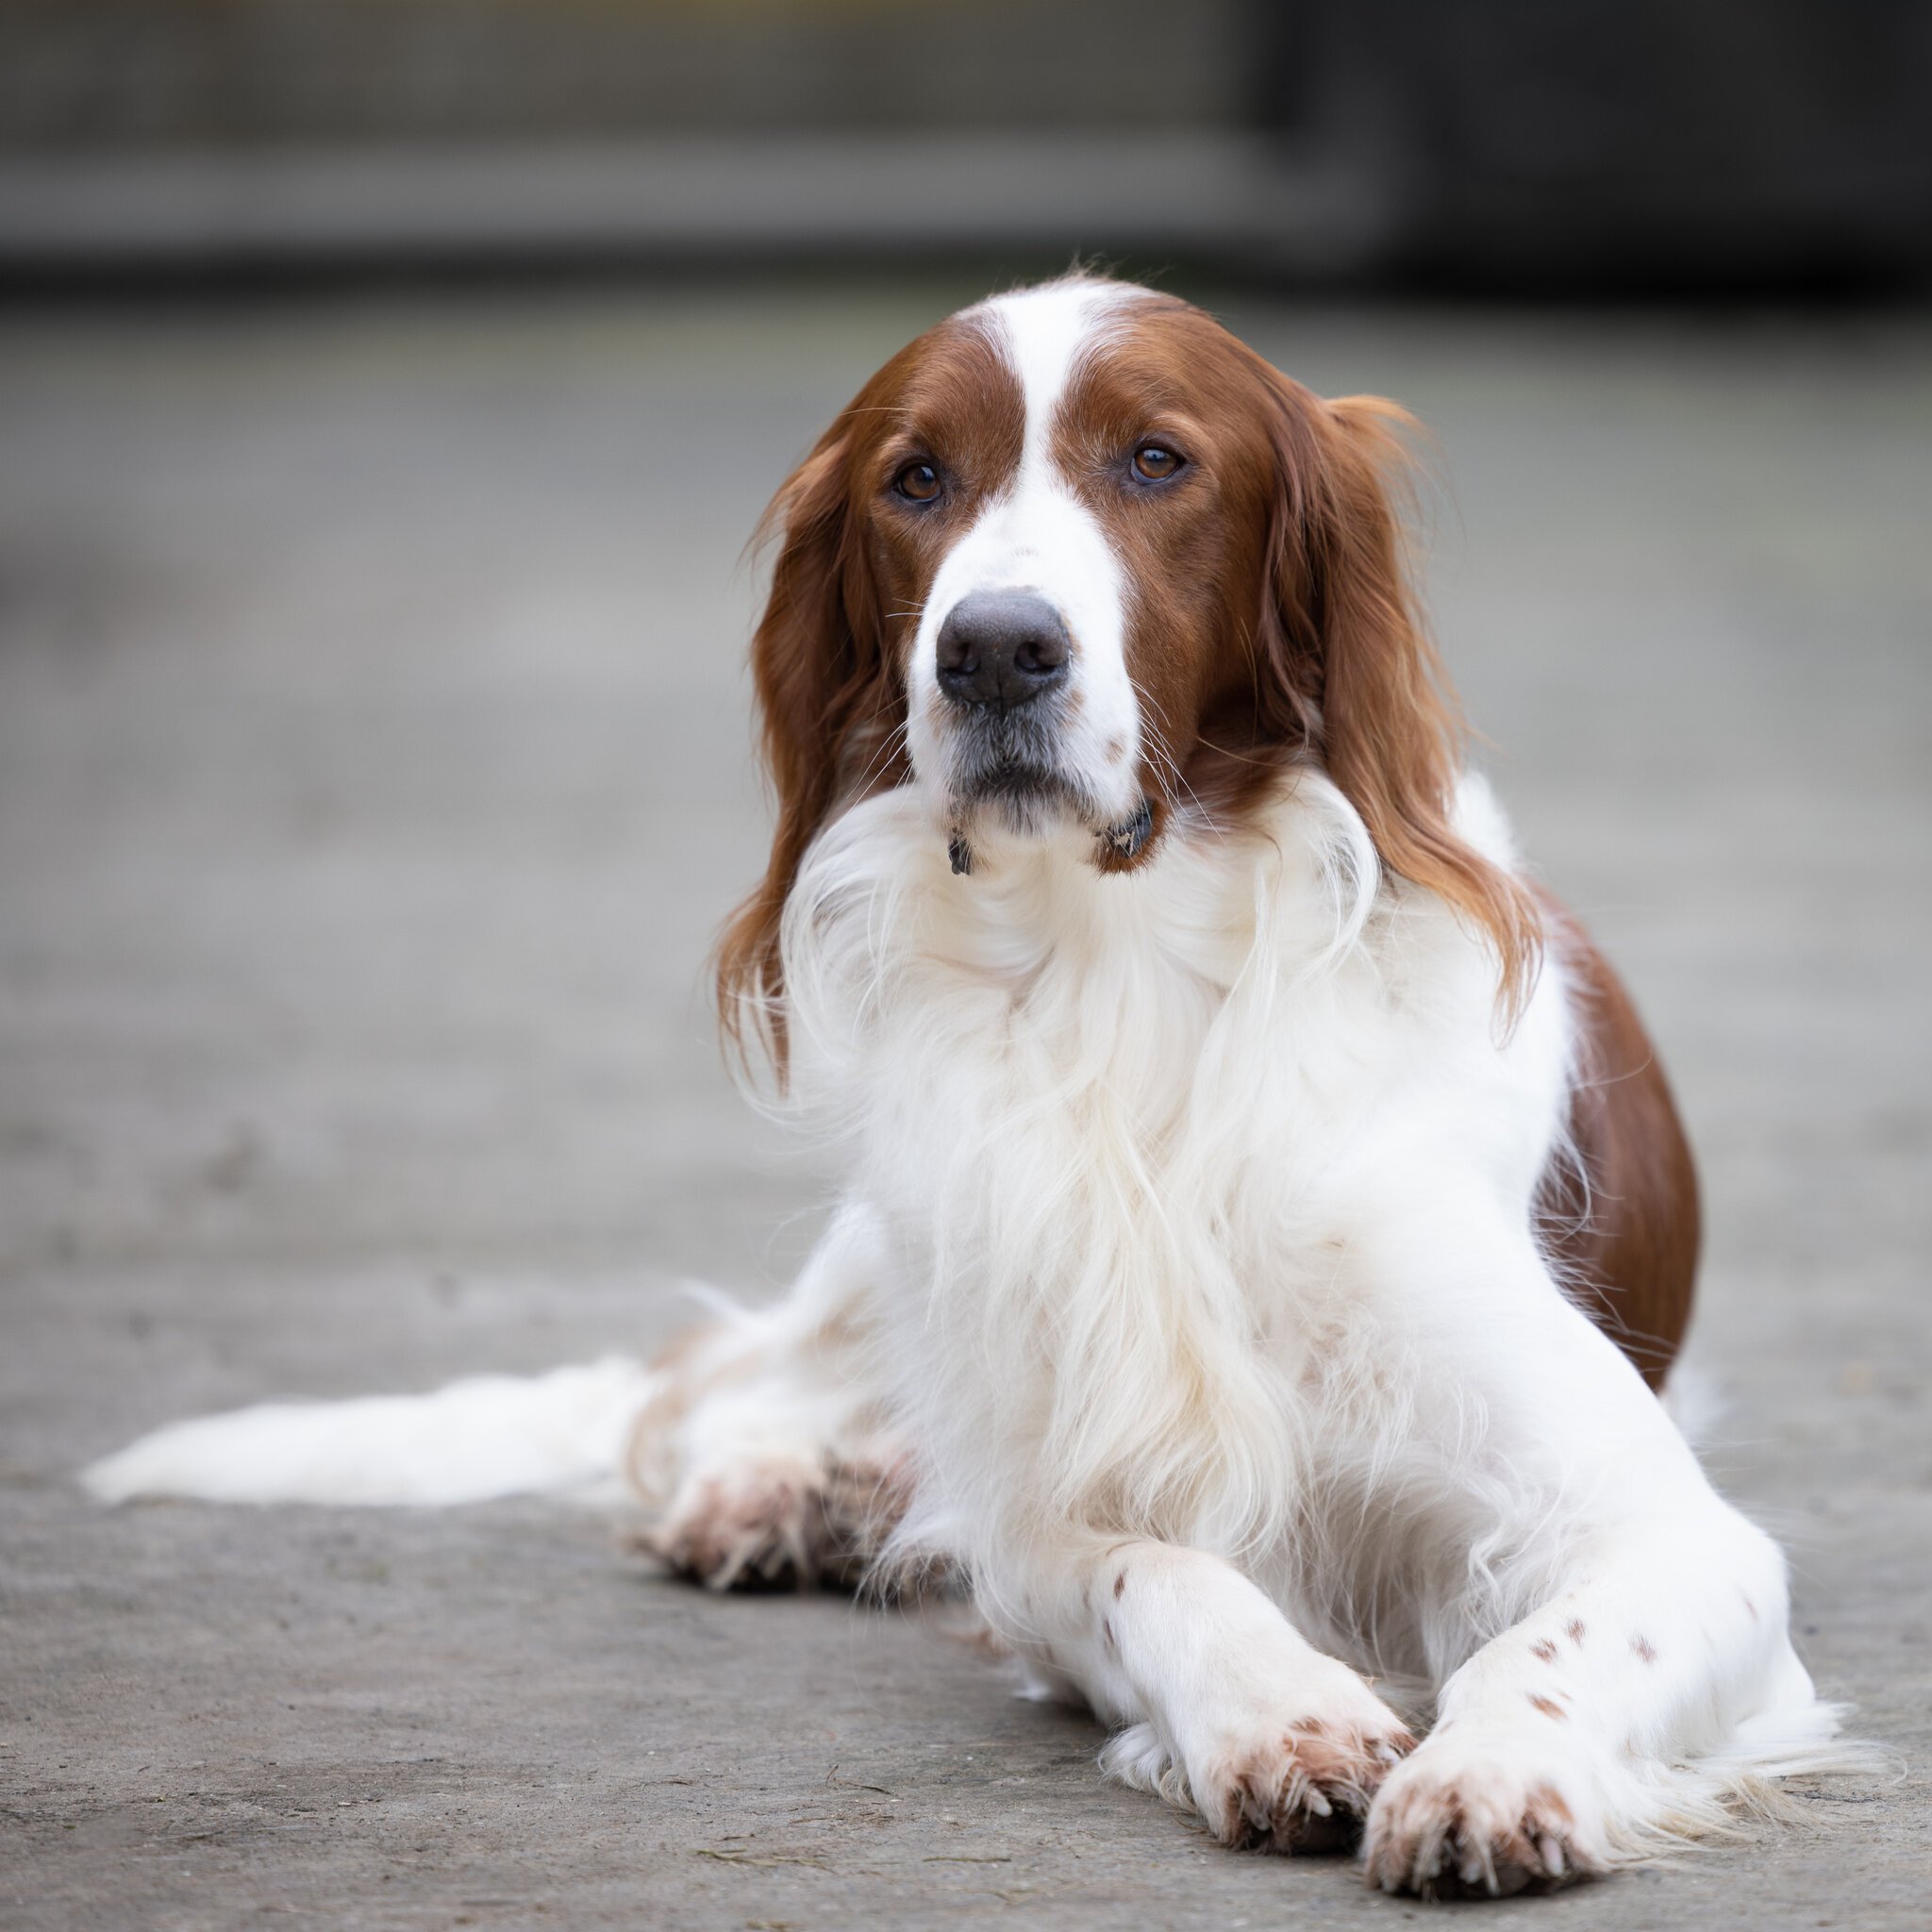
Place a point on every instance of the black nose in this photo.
(1002, 648)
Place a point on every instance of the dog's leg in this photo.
(1575, 1737)
(1228, 1707)
(764, 1449)
(1650, 1676)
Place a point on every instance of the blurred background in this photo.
(387, 391)
(1590, 145)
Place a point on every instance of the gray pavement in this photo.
(372, 773)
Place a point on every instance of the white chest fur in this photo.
(1124, 1134)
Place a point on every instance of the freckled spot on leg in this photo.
(1547, 1707)
(1644, 1649)
(1107, 1633)
(1120, 1583)
(1573, 1630)
(1749, 1605)
(1543, 1648)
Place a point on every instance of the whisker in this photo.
(1164, 750)
(887, 751)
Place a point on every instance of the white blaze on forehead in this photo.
(1039, 534)
(1043, 332)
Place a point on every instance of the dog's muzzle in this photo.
(999, 654)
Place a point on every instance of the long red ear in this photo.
(828, 704)
(1379, 708)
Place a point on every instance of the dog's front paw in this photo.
(1286, 1759)
(1466, 1821)
(1304, 1787)
(760, 1525)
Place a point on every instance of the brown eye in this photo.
(920, 482)
(1155, 463)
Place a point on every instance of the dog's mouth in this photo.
(1023, 797)
(1016, 787)
(1011, 764)
(1007, 772)
(1026, 799)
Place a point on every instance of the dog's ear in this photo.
(828, 704)
(1358, 676)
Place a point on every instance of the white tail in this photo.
(488, 1436)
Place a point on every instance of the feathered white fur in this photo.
(1203, 1200)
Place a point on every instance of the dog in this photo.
(1267, 1230)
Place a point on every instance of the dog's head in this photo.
(1078, 557)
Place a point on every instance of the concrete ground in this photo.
(372, 773)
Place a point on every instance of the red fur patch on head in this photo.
(1271, 621)
(1271, 614)
(1543, 1648)
(1548, 1707)
(1573, 1630)
(1644, 1649)
(855, 564)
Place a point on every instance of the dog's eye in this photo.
(1156, 464)
(919, 482)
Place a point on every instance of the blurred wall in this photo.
(1571, 145)
(125, 71)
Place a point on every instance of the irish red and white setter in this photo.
(1266, 1229)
